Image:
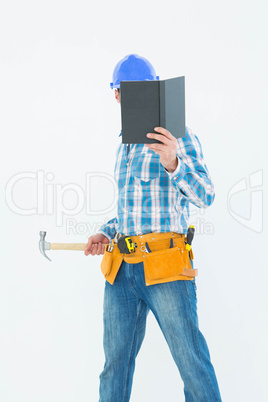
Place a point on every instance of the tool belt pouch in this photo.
(191, 254)
(111, 262)
(173, 263)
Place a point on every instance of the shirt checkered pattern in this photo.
(150, 199)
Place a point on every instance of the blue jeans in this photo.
(174, 304)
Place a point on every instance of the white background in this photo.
(59, 117)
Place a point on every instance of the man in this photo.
(156, 182)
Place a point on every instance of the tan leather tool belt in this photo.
(162, 264)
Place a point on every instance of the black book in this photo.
(149, 104)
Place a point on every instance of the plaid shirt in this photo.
(150, 199)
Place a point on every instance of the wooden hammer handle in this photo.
(68, 246)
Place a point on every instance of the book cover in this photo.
(149, 104)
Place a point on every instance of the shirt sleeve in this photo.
(108, 229)
(191, 176)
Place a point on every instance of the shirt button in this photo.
(127, 164)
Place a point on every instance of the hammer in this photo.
(44, 245)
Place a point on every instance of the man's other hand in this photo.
(167, 150)
(96, 244)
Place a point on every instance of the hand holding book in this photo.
(167, 150)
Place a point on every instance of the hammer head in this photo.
(43, 245)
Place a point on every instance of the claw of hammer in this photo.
(44, 245)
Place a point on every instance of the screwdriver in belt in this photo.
(110, 247)
(190, 236)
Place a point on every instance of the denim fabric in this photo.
(174, 304)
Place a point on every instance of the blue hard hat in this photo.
(133, 68)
